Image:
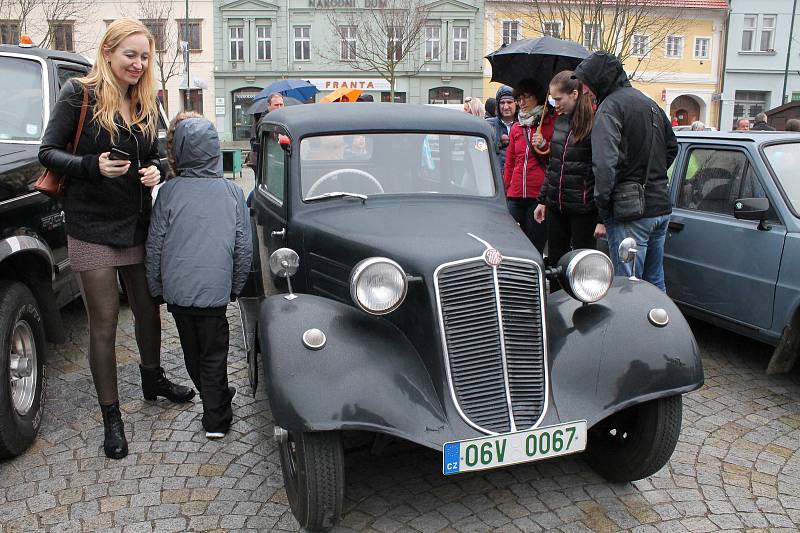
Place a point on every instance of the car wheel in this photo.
(313, 472)
(636, 442)
(21, 369)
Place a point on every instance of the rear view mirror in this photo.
(751, 208)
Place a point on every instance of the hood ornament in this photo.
(493, 257)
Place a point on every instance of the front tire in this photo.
(22, 376)
(313, 472)
(636, 442)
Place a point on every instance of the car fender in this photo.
(367, 376)
(607, 356)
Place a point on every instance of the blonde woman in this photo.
(474, 107)
(107, 207)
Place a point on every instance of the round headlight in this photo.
(378, 285)
(586, 274)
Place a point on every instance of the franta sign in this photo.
(365, 84)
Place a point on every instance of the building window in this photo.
(63, 33)
(302, 43)
(394, 43)
(236, 40)
(195, 43)
(767, 33)
(674, 46)
(510, 31)
(460, 40)
(399, 98)
(445, 95)
(157, 28)
(750, 28)
(702, 46)
(9, 32)
(552, 28)
(433, 40)
(591, 35)
(795, 96)
(193, 101)
(641, 45)
(347, 46)
(748, 104)
(263, 42)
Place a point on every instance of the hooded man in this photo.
(632, 140)
(199, 251)
(501, 124)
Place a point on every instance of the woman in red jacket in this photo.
(526, 158)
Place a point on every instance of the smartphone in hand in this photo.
(115, 154)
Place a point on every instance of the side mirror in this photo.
(284, 263)
(627, 254)
(751, 208)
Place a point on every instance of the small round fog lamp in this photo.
(314, 339)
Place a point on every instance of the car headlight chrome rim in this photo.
(588, 274)
(378, 285)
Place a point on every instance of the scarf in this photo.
(529, 118)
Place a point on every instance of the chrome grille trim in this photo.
(504, 354)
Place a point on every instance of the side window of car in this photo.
(712, 180)
(272, 169)
(66, 74)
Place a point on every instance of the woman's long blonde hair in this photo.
(144, 109)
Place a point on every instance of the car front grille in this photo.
(494, 341)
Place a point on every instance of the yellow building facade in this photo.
(675, 57)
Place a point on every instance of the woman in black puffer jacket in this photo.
(566, 199)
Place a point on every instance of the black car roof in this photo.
(756, 136)
(311, 119)
(45, 53)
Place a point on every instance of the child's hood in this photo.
(195, 147)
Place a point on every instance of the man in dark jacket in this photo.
(760, 123)
(199, 251)
(501, 124)
(632, 140)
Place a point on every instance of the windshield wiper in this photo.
(338, 194)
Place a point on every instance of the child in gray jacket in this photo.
(199, 252)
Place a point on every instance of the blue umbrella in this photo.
(297, 89)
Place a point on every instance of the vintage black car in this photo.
(35, 276)
(394, 294)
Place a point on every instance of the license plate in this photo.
(513, 448)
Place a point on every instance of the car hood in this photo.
(420, 235)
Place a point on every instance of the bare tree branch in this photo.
(618, 22)
(35, 17)
(387, 39)
(160, 16)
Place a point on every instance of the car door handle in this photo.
(281, 233)
(676, 226)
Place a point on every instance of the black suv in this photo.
(35, 275)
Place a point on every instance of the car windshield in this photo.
(785, 160)
(21, 116)
(395, 163)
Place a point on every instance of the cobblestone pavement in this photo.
(736, 467)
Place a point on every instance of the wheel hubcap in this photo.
(23, 368)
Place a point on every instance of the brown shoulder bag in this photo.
(49, 182)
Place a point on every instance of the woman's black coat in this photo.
(569, 181)
(110, 211)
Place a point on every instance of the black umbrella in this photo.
(539, 59)
(260, 106)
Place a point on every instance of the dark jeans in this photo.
(204, 339)
(522, 210)
(567, 232)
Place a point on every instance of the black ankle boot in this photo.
(115, 444)
(155, 383)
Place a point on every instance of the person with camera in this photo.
(501, 124)
(107, 207)
(633, 145)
